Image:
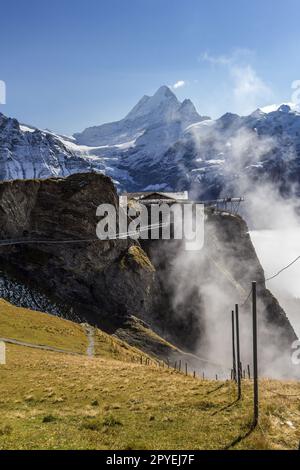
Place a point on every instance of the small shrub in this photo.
(111, 421)
(206, 405)
(48, 419)
(5, 430)
(92, 424)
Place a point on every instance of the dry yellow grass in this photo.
(58, 401)
(53, 400)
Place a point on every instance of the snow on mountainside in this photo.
(172, 147)
(164, 144)
(235, 151)
(215, 157)
(26, 152)
(163, 108)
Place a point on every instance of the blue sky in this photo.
(70, 64)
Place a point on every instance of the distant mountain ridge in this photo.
(164, 144)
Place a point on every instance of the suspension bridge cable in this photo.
(247, 298)
(119, 236)
(273, 277)
(283, 269)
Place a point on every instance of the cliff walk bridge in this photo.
(226, 204)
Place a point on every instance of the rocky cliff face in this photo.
(102, 281)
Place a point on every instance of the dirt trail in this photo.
(91, 339)
(39, 346)
(90, 351)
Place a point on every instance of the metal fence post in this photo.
(233, 347)
(255, 367)
(238, 351)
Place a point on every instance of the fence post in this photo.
(238, 351)
(233, 347)
(255, 367)
(186, 369)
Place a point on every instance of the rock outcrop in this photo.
(101, 281)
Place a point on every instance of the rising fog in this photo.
(275, 231)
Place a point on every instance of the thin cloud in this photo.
(248, 89)
(179, 84)
(216, 60)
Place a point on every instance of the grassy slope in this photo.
(40, 328)
(50, 400)
(43, 329)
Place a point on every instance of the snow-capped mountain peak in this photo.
(283, 107)
(161, 109)
(163, 101)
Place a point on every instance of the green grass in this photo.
(111, 347)
(43, 329)
(40, 328)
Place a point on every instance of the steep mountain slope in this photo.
(235, 152)
(163, 144)
(27, 152)
(41, 329)
(131, 147)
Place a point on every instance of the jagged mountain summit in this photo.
(161, 109)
